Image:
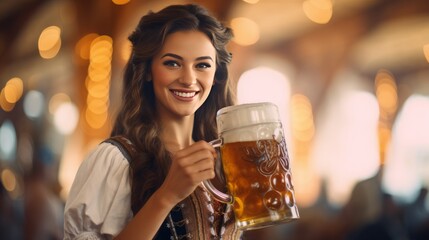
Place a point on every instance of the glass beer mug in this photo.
(255, 165)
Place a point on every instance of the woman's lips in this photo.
(184, 95)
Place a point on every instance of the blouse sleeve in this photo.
(98, 205)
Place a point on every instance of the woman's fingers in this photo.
(189, 167)
(190, 152)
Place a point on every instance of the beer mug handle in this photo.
(207, 184)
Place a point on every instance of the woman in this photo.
(175, 81)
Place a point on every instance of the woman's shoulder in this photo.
(104, 158)
(105, 164)
(124, 145)
(98, 200)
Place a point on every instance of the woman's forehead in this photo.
(192, 44)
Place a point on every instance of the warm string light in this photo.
(384, 136)
(11, 93)
(302, 121)
(318, 11)
(98, 81)
(251, 1)
(426, 51)
(49, 43)
(83, 46)
(386, 92)
(121, 2)
(246, 31)
(11, 182)
(387, 97)
(8, 179)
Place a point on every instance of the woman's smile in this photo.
(184, 95)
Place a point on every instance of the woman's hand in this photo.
(189, 167)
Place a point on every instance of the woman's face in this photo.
(183, 73)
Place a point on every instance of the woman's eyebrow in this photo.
(181, 58)
(204, 58)
(172, 55)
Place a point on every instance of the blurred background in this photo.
(351, 79)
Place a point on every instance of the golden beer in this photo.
(255, 164)
(258, 177)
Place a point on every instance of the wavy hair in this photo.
(137, 117)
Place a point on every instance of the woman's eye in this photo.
(203, 65)
(171, 64)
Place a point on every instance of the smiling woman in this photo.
(183, 74)
(175, 81)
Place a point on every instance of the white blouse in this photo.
(98, 205)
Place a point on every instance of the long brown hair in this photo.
(137, 119)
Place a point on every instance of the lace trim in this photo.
(88, 236)
(216, 211)
(219, 216)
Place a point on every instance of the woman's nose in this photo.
(188, 76)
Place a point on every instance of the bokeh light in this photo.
(57, 100)
(246, 31)
(302, 118)
(7, 141)
(98, 81)
(386, 92)
(66, 117)
(120, 2)
(318, 11)
(49, 42)
(13, 90)
(426, 51)
(409, 150)
(346, 144)
(34, 104)
(4, 104)
(8, 179)
(263, 84)
(83, 46)
(251, 1)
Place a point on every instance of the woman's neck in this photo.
(177, 134)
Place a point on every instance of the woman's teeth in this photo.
(184, 94)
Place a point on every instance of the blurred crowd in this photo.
(369, 214)
(37, 213)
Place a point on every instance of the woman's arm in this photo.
(148, 220)
(189, 167)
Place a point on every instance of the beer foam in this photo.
(262, 131)
(244, 115)
(249, 122)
